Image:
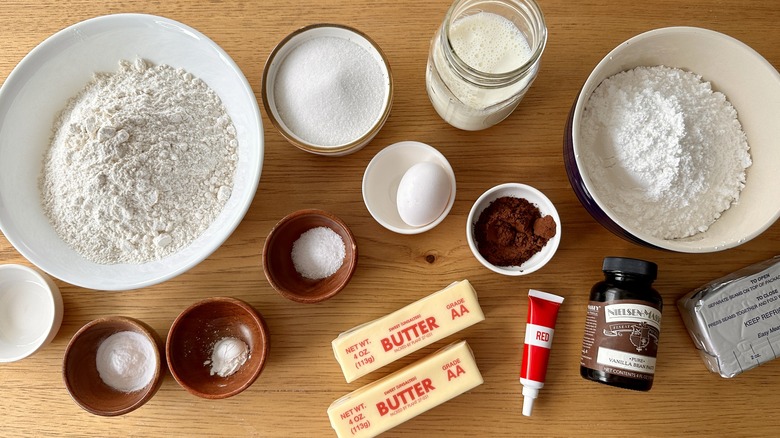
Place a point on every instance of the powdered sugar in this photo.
(141, 163)
(663, 151)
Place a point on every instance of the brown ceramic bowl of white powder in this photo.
(113, 366)
(671, 143)
(217, 347)
(310, 256)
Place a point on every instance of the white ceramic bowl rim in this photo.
(432, 155)
(53, 308)
(535, 197)
(75, 53)
(595, 78)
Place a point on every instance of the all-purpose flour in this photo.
(140, 164)
(663, 151)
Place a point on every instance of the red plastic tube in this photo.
(540, 326)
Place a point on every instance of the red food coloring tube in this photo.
(540, 326)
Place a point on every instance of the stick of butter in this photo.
(372, 345)
(407, 393)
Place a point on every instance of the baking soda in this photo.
(318, 253)
(329, 91)
(126, 361)
(228, 355)
(664, 152)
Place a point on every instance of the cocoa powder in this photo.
(511, 230)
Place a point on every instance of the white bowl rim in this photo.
(442, 161)
(255, 167)
(579, 108)
(550, 248)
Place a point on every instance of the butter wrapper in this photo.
(372, 345)
(407, 393)
(734, 321)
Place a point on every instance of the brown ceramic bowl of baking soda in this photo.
(217, 347)
(309, 256)
(113, 365)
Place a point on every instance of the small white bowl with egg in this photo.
(409, 187)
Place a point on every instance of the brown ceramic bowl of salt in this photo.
(309, 256)
(217, 347)
(113, 365)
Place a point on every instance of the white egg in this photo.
(423, 194)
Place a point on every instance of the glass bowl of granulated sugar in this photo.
(672, 142)
(328, 89)
(143, 142)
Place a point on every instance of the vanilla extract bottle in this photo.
(622, 326)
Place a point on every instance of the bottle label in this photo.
(621, 338)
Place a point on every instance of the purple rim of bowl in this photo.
(575, 179)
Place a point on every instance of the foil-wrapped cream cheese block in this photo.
(734, 321)
(377, 343)
(407, 393)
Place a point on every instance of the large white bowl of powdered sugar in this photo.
(672, 142)
(131, 147)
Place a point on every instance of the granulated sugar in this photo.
(318, 253)
(663, 151)
(329, 91)
(141, 163)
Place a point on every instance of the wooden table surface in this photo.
(301, 377)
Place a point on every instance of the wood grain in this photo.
(302, 378)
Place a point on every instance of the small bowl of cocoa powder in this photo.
(513, 229)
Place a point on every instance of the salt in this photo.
(318, 253)
(664, 151)
(125, 361)
(329, 91)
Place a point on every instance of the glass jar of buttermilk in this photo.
(483, 59)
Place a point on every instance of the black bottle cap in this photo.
(630, 266)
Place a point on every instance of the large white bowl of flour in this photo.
(54, 72)
(749, 82)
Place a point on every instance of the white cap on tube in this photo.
(529, 395)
